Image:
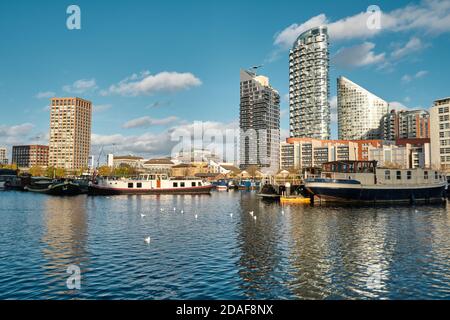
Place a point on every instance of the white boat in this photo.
(149, 184)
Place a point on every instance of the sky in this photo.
(151, 67)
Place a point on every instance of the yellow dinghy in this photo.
(295, 200)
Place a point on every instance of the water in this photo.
(305, 253)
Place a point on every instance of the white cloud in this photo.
(408, 78)
(333, 109)
(398, 106)
(81, 86)
(16, 134)
(146, 84)
(413, 45)
(429, 17)
(45, 94)
(101, 107)
(146, 122)
(358, 56)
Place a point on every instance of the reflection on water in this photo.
(291, 252)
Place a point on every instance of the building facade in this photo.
(3, 155)
(440, 134)
(163, 165)
(28, 156)
(404, 154)
(130, 161)
(359, 112)
(70, 133)
(300, 153)
(411, 124)
(259, 122)
(309, 85)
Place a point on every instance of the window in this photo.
(139, 185)
(193, 184)
(425, 175)
(182, 184)
(175, 184)
(387, 175)
(399, 175)
(436, 176)
(408, 175)
(199, 184)
(131, 185)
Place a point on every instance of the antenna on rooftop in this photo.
(255, 68)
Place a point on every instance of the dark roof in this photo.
(207, 175)
(159, 161)
(183, 165)
(128, 158)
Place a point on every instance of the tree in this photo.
(104, 171)
(36, 171)
(53, 172)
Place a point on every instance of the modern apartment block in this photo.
(440, 134)
(411, 124)
(28, 156)
(70, 133)
(359, 112)
(3, 155)
(309, 85)
(299, 153)
(404, 154)
(259, 122)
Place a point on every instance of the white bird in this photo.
(142, 215)
(282, 212)
(231, 215)
(174, 209)
(254, 218)
(251, 213)
(196, 216)
(182, 211)
(161, 209)
(147, 240)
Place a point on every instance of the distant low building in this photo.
(3, 155)
(163, 165)
(132, 161)
(28, 156)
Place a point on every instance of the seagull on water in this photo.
(143, 215)
(231, 215)
(182, 211)
(174, 209)
(196, 216)
(254, 218)
(147, 240)
(251, 213)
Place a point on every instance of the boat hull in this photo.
(382, 194)
(95, 190)
(63, 189)
(2, 185)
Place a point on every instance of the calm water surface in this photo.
(292, 252)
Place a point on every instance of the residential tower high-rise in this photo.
(3, 155)
(309, 85)
(259, 122)
(405, 124)
(440, 134)
(70, 133)
(359, 112)
(28, 156)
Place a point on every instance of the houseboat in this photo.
(54, 187)
(148, 184)
(362, 181)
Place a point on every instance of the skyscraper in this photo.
(70, 133)
(359, 111)
(259, 123)
(309, 85)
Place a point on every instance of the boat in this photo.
(54, 187)
(148, 184)
(7, 178)
(268, 192)
(363, 181)
(221, 185)
(2, 185)
(295, 200)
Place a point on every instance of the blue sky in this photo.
(151, 66)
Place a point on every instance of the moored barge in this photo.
(362, 181)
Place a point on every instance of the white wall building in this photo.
(309, 85)
(440, 134)
(406, 156)
(359, 112)
(3, 155)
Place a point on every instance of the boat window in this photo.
(175, 184)
(399, 175)
(436, 176)
(425, 175)
(193, 184)
(182, 184)
(387, 175)
(408, 175)
(130, 185)
(199, 184)
(139, 185)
